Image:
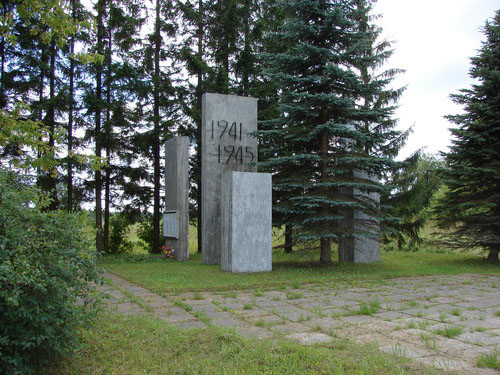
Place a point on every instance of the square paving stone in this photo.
(205, 308)
(489, 323)
(291, 328)
(482, 338)
(190, 324)
(228, 322)
(390, 315)
(266, 319)
(359, 319)
(444, 363)
(176, 318)
(129, 309)
(310, 338)
(159, 303)
(283, 309)
(407, 350)
(297, 316)
(270, 303)
(174, 310)
(254, 312)
(254, 332)
(324, 323)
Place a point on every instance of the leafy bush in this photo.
(46, 264)
(145, 233)
(118, 244)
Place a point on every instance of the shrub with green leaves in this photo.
(46, 265)
(118, 243)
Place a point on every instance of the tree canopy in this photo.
(471, 205)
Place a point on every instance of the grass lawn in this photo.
(163, 276)
(143, 345)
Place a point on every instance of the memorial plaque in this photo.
(227, 145)
(170, 227)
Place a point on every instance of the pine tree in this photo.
(471, 205)
(324, 131)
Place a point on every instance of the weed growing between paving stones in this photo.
(429, 341)
(489, 360)
(497, 314)
(478, 329)
(369, 309)
(294, 295)
(449, 331)
(197, 296)
(247, 306)
(183, 305)
(456, 312)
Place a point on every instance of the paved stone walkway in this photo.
(444, 321)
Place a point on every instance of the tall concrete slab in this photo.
(361, 242)
(246, 235)
(176, 214)
(227, 121)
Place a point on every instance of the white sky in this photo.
(434, 41)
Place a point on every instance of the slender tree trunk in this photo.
(199, 93)
(3, 96)
(98, 135)
(246, 31)
(156, 133)
(288, 238)
(493, 255)
(51, 121)
(107, 145)
(69, 205)
(41, 99)
(325, 250)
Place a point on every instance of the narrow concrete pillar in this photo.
(246, 234)
(361, 240)
(226, 146)
(176, 214)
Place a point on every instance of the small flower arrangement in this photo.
(168, 252)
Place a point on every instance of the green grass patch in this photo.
(489, 360)
(294, 295)
(143, 345)
(289, 270)
(369, 308)
(183, 305)
(497, 314)
(449, 331)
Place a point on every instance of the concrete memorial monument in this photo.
(227, 146)
(363, 245)
(176, 214)
(246, 235)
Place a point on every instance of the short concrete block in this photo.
(246, 235)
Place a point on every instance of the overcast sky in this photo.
(434, 41)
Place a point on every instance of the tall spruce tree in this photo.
(322, 133)
(471, 205)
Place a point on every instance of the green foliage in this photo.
(471, 205)
(489, 360)
(414, 186)
(335, 132)
(46, 266)
(118, 242)
(145, 233)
